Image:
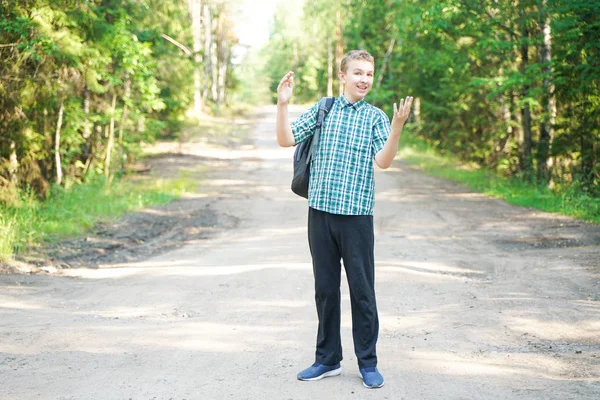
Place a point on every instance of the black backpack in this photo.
(306, 149)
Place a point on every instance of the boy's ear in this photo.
(342, 76)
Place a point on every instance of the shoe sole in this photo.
(370, 387)
(333, 372)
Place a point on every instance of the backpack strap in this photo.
(325, 105)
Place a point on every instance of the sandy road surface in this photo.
(477, 299)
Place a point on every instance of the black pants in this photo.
(332, 238)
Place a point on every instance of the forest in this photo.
(506, 85)
(84, 84)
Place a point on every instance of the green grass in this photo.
(567, 200)
(70, 212)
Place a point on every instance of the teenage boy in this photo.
(340, 214)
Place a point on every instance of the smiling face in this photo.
(357, 79)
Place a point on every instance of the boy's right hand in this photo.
(285, 88)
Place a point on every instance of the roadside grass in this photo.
(566, 200)
(70, 212)
(73, 211)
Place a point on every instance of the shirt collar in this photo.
(345, 103)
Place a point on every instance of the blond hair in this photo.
(355, 55)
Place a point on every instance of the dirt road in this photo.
(477, 299)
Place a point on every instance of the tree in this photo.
(83, 84)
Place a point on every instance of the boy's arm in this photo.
(285, 137)
(385, 156)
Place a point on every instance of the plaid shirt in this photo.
(341, 172)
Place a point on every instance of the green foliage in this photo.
(286, 50)
(485, 93)
(63, 65)
(577, 72)
(568, 199)
(73, 211)
(299, 43)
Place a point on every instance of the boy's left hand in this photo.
(401, 114)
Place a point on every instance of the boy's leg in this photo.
(327, 272)
(357, 247)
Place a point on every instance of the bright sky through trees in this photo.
(253, 22)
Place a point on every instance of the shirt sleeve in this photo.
(305, 125)
(381, 131)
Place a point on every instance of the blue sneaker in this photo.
(371, 377)
(319, 371)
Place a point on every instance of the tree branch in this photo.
(176, 43)
(388, 53)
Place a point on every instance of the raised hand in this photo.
(401, 113)
(285, 88)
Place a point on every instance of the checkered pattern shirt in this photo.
(341, 172)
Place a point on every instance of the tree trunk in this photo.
(417, 112)
(544, 163)
(386, 58)
(95, 137)
(46, 127)
(195, 7)
(526, 160)
(222, 78)
(505, 110)
(515, 120)
(57, 160)
(13, 163)
(329, 67)
(111, 137)
(587, 143)
(214, 57)
(87, 132)
(222, 59)
(126, 96)
(208, 39)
